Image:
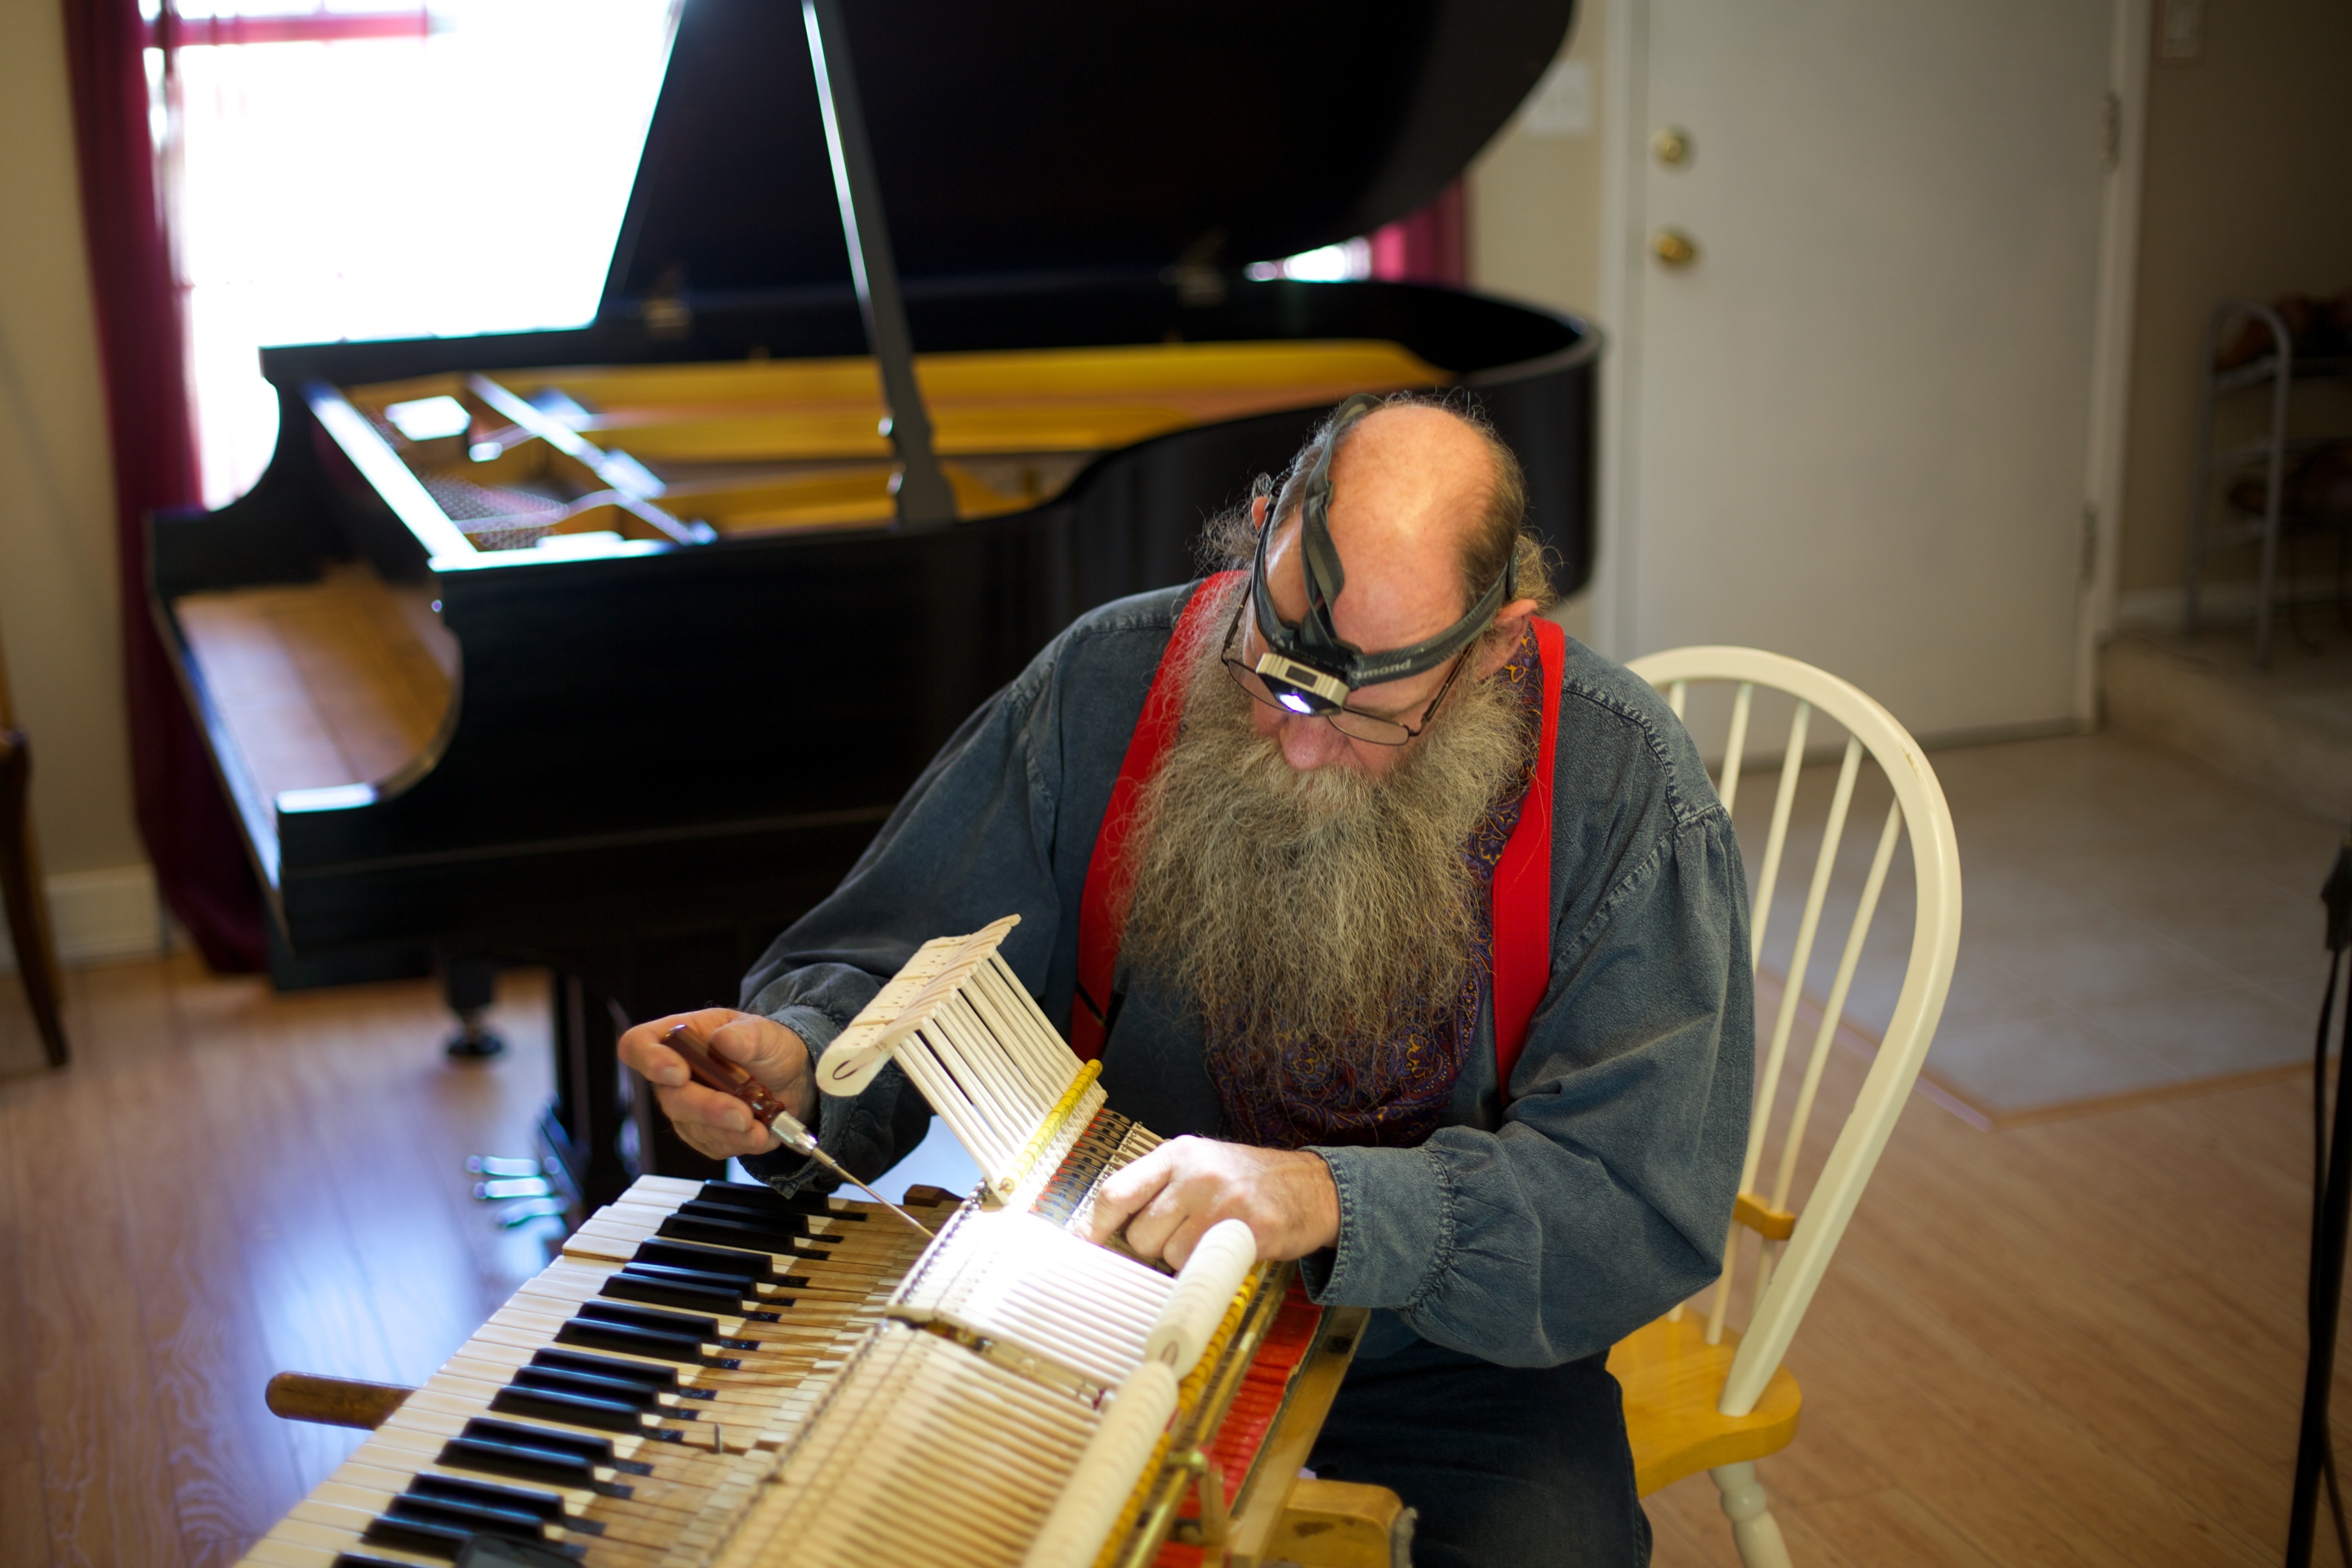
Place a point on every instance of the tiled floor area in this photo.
(2132, 923)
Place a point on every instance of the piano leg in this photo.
(583, 1126)
(469, 986)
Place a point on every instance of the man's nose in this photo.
(1309, 743)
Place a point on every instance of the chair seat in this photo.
(1671, 1379)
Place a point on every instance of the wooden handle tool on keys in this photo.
(713, 1071)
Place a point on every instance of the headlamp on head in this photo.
(1309, 667)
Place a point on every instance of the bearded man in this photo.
(1425, 927)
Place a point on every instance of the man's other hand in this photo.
(1170, 1198)
(721, 1125)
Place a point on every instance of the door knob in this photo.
(1671, 146)
(1673, 247)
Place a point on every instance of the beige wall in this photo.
(58, 610)
(1535, 218)
(1535, 202)
(2247, 190)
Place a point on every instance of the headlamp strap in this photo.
(1315, 640)
(1326, 578)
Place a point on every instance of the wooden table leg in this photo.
(21, 894)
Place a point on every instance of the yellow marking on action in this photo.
(1054, 1120)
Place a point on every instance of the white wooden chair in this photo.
(1705, 1395)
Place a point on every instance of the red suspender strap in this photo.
(1099, 922)
(1523, 881)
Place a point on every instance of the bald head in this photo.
(1414, 494)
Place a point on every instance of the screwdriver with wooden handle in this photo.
(713, 1071)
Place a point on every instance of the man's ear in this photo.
(1511, 622)
(1257, 512)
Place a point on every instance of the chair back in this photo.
(1795, 1241)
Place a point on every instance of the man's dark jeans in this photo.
(1508, 1465)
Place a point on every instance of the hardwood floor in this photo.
(2074, 1342)
(223, 1185)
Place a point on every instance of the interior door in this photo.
(1854, 424)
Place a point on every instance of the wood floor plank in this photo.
(1865, 1333)
(2143, 1402)
(20, 1437)
(106, 1487)
(1688, 1527)
(232, 1467)
(1893, 1526)
(24, 1525)
(2006, 1513)
(412, 1244)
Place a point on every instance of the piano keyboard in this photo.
(717, 1376)
(684, 1335)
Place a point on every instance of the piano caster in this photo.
(469, 986)
(474, 1039)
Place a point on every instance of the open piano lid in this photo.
(1040, 137)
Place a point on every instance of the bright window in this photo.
(372, 171)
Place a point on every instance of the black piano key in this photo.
(524, 1463)
(630, 1339)
(660, 1379)
(676, 1288)
(744, 1195)
(360, 1560)
(539, 1454)
(719, 1232)
(661, 1320)
(635, 1395)
(681, 1348)
(779, 1224)
(596, 1450)
(506, 1551)
(564, 1405)
(547, 1506)
(694, 1323)
(728, 1285)
(428, 1538)
(436, 1528)
(752, 1268)
(469, 1514)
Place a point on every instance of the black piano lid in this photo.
(1040, 138)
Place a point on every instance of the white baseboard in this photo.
(99, 915)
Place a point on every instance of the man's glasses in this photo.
(1369, 728)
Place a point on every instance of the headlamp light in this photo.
(1301, 688)
(1309, 668)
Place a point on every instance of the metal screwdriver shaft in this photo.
(713, 1071)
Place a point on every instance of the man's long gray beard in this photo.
(1327, 905)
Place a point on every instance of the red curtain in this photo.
(1431, 246)
(191, 837)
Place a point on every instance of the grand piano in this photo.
(608, 648)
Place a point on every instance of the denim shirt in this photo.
(1528, 1233)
